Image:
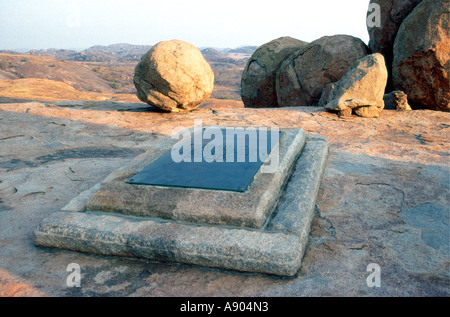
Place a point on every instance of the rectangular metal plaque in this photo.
(226, 161)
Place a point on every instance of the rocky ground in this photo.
(384, 199)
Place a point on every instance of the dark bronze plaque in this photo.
(227, 160)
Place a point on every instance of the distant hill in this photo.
(215, 56)
(77, 75)
(124, 53)
(111, 54)
(212, 53)
(110, 69)
(121, 49)
(242, 50)
(10, 52)
(228, 66)
(54, 53)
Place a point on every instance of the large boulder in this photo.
(258, 78)
(382, 36)
(303, 75)
(361, 90)
(421, 55)
(173, 76)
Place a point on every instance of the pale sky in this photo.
(43, 24)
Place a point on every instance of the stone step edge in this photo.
(278, 251)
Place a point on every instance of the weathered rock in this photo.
(303, 76)
(258, 78)
(382, 37)
(383, 199)
(326, 94)
(173, 76)
(362, 88)
(421, 55)
(396, 100)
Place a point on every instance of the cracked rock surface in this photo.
(384, 199)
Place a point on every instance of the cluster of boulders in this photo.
(406, 62)
(421, 55)
(413, 36)
(258, 79)
(337, 72)
(407, 59)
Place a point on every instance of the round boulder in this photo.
(258, 78)
(173, 76)
(303, 75)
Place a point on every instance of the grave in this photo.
(220, 206)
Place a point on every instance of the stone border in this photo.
(277, 249)
(200, 206)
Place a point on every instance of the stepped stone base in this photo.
(269, 238)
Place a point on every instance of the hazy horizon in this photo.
(78, 49)
(80, 24)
